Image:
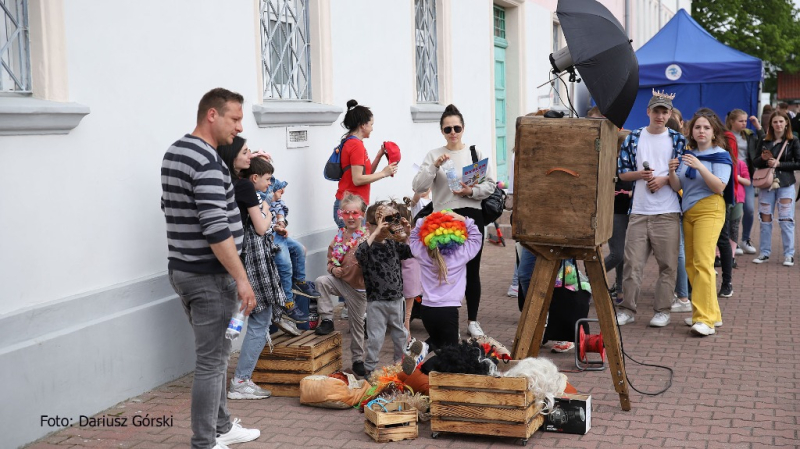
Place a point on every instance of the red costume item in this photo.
(392, 152)
(354, 153)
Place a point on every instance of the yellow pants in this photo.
(701, 227)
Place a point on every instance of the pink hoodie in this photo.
(450, 293)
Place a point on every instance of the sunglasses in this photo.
(350, 213)
(449, 129)
(393, 219)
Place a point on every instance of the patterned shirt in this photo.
(383, 271)
(626, 161)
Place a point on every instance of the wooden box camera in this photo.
(564, 181)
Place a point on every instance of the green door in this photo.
(500, 45)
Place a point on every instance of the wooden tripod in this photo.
(532, 322)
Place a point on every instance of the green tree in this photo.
(766, 29)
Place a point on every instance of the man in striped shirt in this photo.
(204, 235)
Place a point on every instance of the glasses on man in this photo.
(449, 129)
(351, 213)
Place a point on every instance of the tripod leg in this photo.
(531, 323)
(608, 326)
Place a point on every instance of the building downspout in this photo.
(628, 18)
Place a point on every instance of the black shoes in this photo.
(358, 368)
(726, 290)
(324, 327)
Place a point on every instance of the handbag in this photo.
(566, 308)
(764, 177)
(492, 206)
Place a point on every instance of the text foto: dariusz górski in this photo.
(107, 421)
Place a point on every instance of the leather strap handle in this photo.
(565, 170)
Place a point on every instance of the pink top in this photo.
(412, 282)
(744, 173)
(451, 293)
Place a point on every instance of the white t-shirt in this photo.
(656, 150)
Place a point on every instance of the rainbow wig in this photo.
(443, 232)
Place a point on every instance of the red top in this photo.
(354, 153)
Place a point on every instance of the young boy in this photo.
(380, 259)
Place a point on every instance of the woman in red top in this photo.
(359, 171)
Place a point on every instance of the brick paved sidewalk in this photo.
(737, 389)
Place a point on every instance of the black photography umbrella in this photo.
(598, 47)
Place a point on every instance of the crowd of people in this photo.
(682, 191)
(229, 250)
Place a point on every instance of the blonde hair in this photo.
(441, 266)
(350, 198)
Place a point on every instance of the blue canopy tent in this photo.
(686, 60)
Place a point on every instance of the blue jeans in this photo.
(527, 261)
(339, 222)
(254, 341)
(209, 301)
(283, 262)
(293, 254)
(682, 282)
(767, 200)
(748, 216)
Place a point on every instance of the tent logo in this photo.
(673, 72)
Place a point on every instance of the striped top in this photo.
(199, 205)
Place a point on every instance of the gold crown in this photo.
(663, 95)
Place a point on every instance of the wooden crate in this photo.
(483, 405)
(564, 181)
(294, 358)
(399, 422)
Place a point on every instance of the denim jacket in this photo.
(626, 161)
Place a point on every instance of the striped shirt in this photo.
(199, 205)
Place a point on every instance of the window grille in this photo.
(425, 33)
(15, 57)
(499, 22)
(285, 49)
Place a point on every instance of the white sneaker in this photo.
(474, 329)
(624, 318)
(660, 319)
(679, 306)
(702, 329)
(761, 259)
(739, 251)
(220, 446)
(788, 261)
(513, 291)
(689, 322)
(748, 247)
(237, 434)
(246, 389)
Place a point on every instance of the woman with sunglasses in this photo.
(465, 201)
(359, 171)
(779, 135)
(703, 172)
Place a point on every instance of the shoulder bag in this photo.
(492, 206)
(763, 177)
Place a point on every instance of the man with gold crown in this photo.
(655, 213)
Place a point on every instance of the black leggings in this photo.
(725, 249)
(441, 323)
(473, 292)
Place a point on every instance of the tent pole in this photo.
(628, 18)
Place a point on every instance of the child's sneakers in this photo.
(305, 288)
(415, 352)
(288, 326)
(296, 315)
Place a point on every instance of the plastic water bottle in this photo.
(452, 179)
(235, 326)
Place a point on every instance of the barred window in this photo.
(425, 34)
(285, 50)
(15, 58)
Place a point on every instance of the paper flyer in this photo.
(475, 173)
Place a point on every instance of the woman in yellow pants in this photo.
(703, 173)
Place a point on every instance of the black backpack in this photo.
(333, 170)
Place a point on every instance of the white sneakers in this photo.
(624, 318)
(689, 322)
(246, 389)
(474, 329)
(748, 247)
(660, 319)
(679, 306)
(788, 261)
(702, 329)
(237, 434)
(513, 291)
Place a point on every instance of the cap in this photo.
(661, 99)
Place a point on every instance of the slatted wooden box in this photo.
(398, 422)
(564, 181)
(294, 358)
(483, 405)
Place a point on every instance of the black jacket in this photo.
(754, 141)
(789, 161)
